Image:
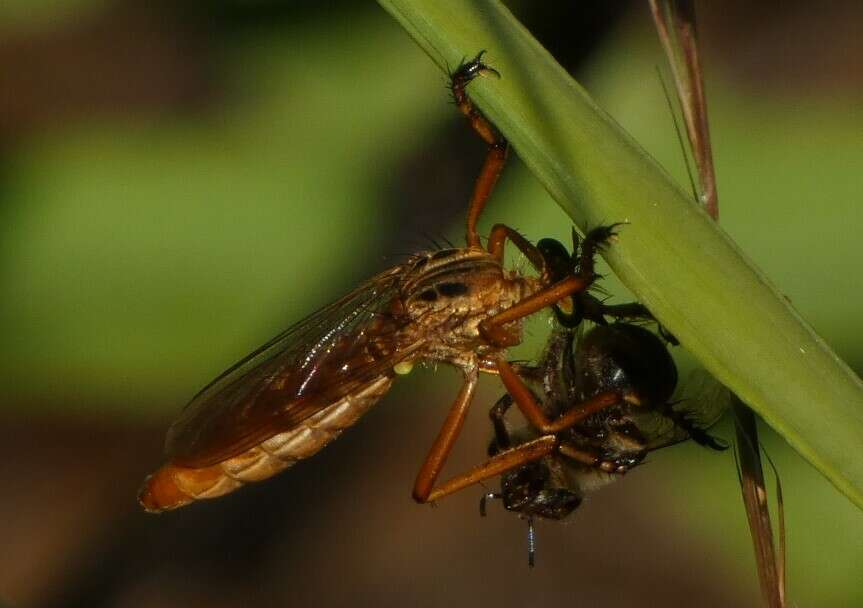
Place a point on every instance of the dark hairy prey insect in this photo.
(547, 474)
(295, 394)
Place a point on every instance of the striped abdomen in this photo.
(173, 486)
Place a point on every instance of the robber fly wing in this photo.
(309, 366)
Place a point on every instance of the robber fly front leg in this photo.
(498, 147)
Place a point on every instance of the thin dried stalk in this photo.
(681, 49)
(781, 562)
(771, 565)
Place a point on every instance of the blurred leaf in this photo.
(141, 257)
(672, 256)
(26, 14)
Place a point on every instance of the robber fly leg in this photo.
(529, 451)
(617, 464)
(498, 237)
(492, 328)
(502, 440)
(531, 409)
(446, 438)
(577, 283)
(497, 145)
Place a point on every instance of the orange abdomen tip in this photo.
(161, 493)
(172, 486)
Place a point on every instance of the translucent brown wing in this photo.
(321, 359)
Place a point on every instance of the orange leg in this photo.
(488, 366)
(492, 329)
(594, 459)
(497, 465)
(491, 170)
(442, 446)
(498, 147)
(581, 279)
(526, 402)
(497, 239)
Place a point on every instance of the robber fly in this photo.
(597, 402)
(295, 394)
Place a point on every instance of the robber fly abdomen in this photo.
(175, 485)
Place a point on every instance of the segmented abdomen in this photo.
(174, 486)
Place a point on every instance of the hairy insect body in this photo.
(620, 357)
(450, 293)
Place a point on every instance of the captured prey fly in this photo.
(606, 444)
(596, 403)
(295, 394)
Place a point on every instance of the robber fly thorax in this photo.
(447, 294)
(295, 394)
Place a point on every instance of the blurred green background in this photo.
(180, 182)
